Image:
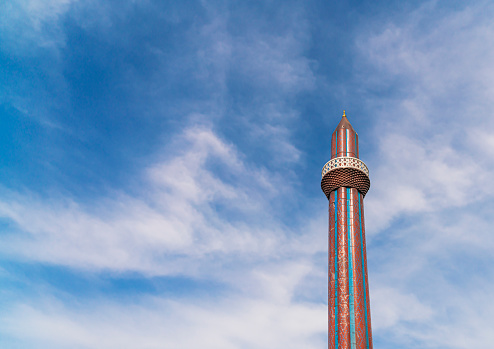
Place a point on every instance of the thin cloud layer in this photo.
(181, 213)
(432, 188)
(161, 323)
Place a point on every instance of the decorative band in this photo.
(345, 177)
(344, 162)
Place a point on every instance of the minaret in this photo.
(345, 181)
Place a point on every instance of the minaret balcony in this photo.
(345, 172)
(345, 161)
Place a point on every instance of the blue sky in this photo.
(160, 170)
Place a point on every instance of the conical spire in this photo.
(344, 140)
(344, 123)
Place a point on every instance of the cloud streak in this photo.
(181, 212)
(162, 323)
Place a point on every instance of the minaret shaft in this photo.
(344, 142)
(348, 289)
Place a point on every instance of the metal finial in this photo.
(344, 114)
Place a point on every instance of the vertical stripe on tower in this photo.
(367, 305)
(335, 255)
(336, 267)
(341, 142)
(331, 268)
(347, 150)
(343, 301)
(364, 275)
(349, 209)
(351, 147)
(359, 301)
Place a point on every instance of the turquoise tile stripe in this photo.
(336, 267)
(353, 339)
(363, 270)
(336, 255)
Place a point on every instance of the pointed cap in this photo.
(344, 123)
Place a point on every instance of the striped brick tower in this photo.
(345, 181)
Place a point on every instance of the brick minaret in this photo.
(345, 181)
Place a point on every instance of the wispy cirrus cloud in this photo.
(428, 131)
(175, 226)
(431, 175)
(181, 211)
(202, 209)
(158, 323)
(30, 23)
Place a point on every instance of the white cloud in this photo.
(161, 323)
(176, 226)
(202, 211)
(395, 307)
(27, 25)
(270, 67)
(182, 213)
(416, 175)
(430, 151)
(458, 319)
(431, 280)
(427, 211)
